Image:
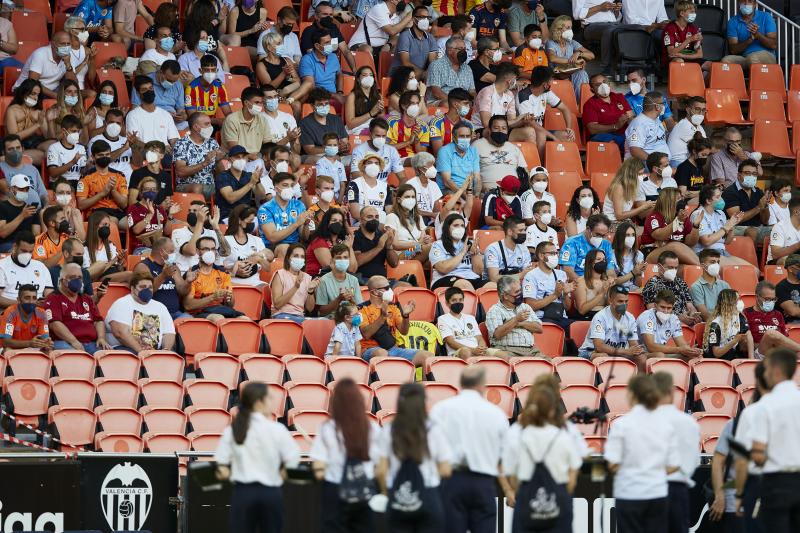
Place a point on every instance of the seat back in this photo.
(497, 370)
(219, 367)
(73, 364)
(436, 392)
(503, 397)
(527, 370)
(117, 392)
(207, 393)
(306, 369)
(392, 369)
(239, 336)
(72, 392)
(75, 426)
(118, 364)
(30, 365)
(741, 278)
(575, 371)
(318, 334)
(576, 396)
(550, 341)
(262, 367)
(713, 371)
(386, 394)
(164, 419)
(764, 77)
(728, 76)
(166, 443)
(119, 420)
(685, 79)
(31, 397)
(349, 367)
(563, 184)
(445, 369)
(563, 156)
(118, 443)
(767, 105)
(616, 397)
(679, 370)
(282, 336)
(308, 396)
(162, 364)
(424, 302)
(616, 370)
(602, 157)
(197, 335)
(719, 400)
(771, 137)
(723, 107)
(207, 420)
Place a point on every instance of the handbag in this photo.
(553, 310)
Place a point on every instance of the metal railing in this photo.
(788, 51)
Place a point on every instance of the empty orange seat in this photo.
(527, 369)
(712, 371)
(30, 397)
(392, 369)
(75, 427)
(239, 336)
(741, 278)
(718, 399)
(685, 79)
(119, 420)
(262, 367)
(445, 369)
(386, 394)
(118, 364)
(283, 336)
(424, 301)
(161, 393)
(602, 157)
(349, 367)
(166, 442)
(503, 397)
(623, 369)
(765, 77)
(164, 419)
(117, 392)
(70, 392)
(723, 107)
(30, 364)
(680, 370)
(208, 420)
(574, 370)
(436, 392)
(576, 396)
(772, 137)
(729, 76)
(318, 335)
(207, 393)
(312, 396)
(563, 156)
(219, 367)
(767, 105)
(498, 371)
(163, 364)
(306, 369)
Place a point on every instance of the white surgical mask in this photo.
(697, 119)
(630, 240)
(670, 274)
(424, 24)
(596, 241)
(372, 170)
(713, 269)
(63, 199)
(151, 156)
(388, 295)
(83, 36)
(635, 88)
(287, 194)
(326, 196)
(567, 34)
(430, 172)
(457, 233)
(535, 43)
(603, 90)
(113, 129)
(508, 198)
(239, 164)
(297, 263)
(785, 197)
(739, 305)
(379, 142)
(546, 218)
(412, 110)
(666, 172)
(662, 317)
(21, 196)
(24, 258)
(30, 101)
(552, 261)
(497, 55)
(412, 85)
(282, 166)
(256, 110)
(208, 257)
(207, 132)
(74, 138)
(367, 82)
(539, 186)
(586, 202)
(209, 76)
(691, 17)
(408, 203)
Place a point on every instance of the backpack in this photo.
(406, 496)
(355, 486)
(540, 501)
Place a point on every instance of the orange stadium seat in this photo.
(723, 108)
(306, 369)
(118, 364)
(318, 335)
(685, 79)
(166, 443)
(119, 420)
(746, 393)
(717, 399)
(741, 278)
(576, 396)
(392, 369)
(743, 247)
(498, 371)
(114, 292)
(767, 105)
(774, 273)
(386, 395)
(566, 93)
(10, 77)
(794, 78)
(424, 302)
(745, 370)
(522, 390)
(485, 237)
(73, 364)
(235, 84)
(712, 371)
(563, 156)
(445, 369)
(261, 367)
(277, 398)
(161, 393)
(117, 392)
(30, 398)
(283, 336)
(349, 367)
(623, 369)
(219, 367)
(26, 48)
(710, 424)
(550, 341)
(249, 300)
(793, 106)
(164, 420)
(578, 331)
(602, 157)
(767, 78)
(502, 396)
(616, 397)
(527, 370)
(238, 56)
(575, 371)
(33, 364)
(308, 420)
(408, 267)
(75, 426)
(530, 152)
(554, 121)
(72, 392)
(239, 336)
(118, 443)
(31, 25)
(163, 364)
(436, 392)
(205, 420)
(729, 76)
(313, 396)
(600, 181)
(196, 335)
(680, 370)
(771, 137)
(207, 393)
(562, 185)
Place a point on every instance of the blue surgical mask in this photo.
(463, 144)
(749, 181)
(106, 99)
(331, 150)
(280, 50)
(28, 308)
(63, 51)
(75, 285)
(70, 100)
(768, 305)
(146, 295)
(271, 104)
(323, 110)
(149, 195)
(297, 263)
(719, 205)
(327, 49)
(167, 43)
(341, 264)
(745, 9)
(356, 321)
(167, 84)
(202, 46)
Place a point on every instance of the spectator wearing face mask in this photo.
(785, 235)
(246, 249)
(546, 289)
(613, 331)
(724, 164)
(121, 152)
(202, 222)
(442, 126)
(48, 63)
(146, 219)
(282, 125)
(456, 260)
(659, 178)
(501, 204)
(573, 253)
(136, 322)
(367, 190)
(424, 182)
(450, 72)
(752, 36)
(236, 186)
(509, 256)
(408, 133)
(382, 22)
(530, 51)
(667, 279)
(281, 218)
(148, 122)
(249, 127)
(323, 20)
(766, 323)
(317, 124)
(169, 286)
(745, 199)
(20, 269)
(373, 246)
(583, 204)
(293, 290)
(511, 322)
(331, 166)
(169, 92)
(687, 129)
(498, 156)
(416, 47)
(206, 94)
(377, 144)
(646, 133)
(539, 180)
(210, 295)
(606, 113)
(72, 252)
(104, 189)
(47, 248)
(66, 158)
(540, 231)
(16, 214)
(153, 168)
(338, 285)
(14, 165)
(25, 324)
(194, 157)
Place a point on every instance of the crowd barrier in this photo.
(132, 492)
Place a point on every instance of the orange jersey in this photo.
(94, 183)
(370, 313)
(529, 59)
(45, 248)
(207, 284)
(15, 327)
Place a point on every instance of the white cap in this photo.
(20, 181)
(539, 170)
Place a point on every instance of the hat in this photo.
(236, 150)
(539, 170)
(792, 260)
(372, 155)
(509, 183)
(21, 181)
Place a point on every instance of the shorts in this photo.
(763, 231)
(448, 281)
(395, 351)
(585, 353)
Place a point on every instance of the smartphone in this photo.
(105, 283)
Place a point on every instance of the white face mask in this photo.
(535, 43)
(666, 172)
(408, 203)
(30, 101)
(73, 138)
(256, 109)
(636, 88)
(372, 169)
(388, 295)
(367, 82)
(209, 76)
(713, 269)
(208, 257)
(603, 90)
(552, 261)
(755, 156)
(287, 194)
(424, 24)
(670, 274)
(63, 199)
(546, 218)
(412, 110)
(457, 233)
(83, 36)
(207, 132)
(662, 317)
(539, 186)
(412, 85)
(497, 55)
(430, 172)
(739, 305)
(785, 197)
(586, 202)
(508, 198)
(567, 34)
(282, 166)
(630, 240)
(113, 129)
(239, 164)
(379, 142)
(151, 156)
(596, 241)
(24, 258)
(326, 196)
(697, 119)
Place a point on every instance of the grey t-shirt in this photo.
(313, 131)
(418, 49)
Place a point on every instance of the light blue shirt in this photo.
(271, 212)
(737, 29)
(710, 224)
(648, 323)
(627, 266)
(334, 169)
(169, 99)
(648, 134)
(324, 74)
(459, 165)
(636, 102)
(613, 332)
(573, 253)
(462, 270)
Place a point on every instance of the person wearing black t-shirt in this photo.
(482, 66)
(16, 214)
(154, 153)
(689, 174)
(727, 334)
(787, 292)
(373, 247)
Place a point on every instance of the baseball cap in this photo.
(21, 181)
(509, 183)
(539, 170)
(236, 150)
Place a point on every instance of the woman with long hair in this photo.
(104, 101)
(715, 229)
(584, 203)
(668, 228)
(69, 101)
(148, 220)
(411, 131)
(248, 250)
(629, 260)
(621, 194)
(273, 69)
(727, 334)
(410, 441)
(540, 437)
(641, 452)
(410, 232)
(591, 291)
(456, 260)
(24, 119)
(364, 102)
(101, 257)
(348, 440)
(403, 79)
(252, 453)
(293, 290)
(333, 229)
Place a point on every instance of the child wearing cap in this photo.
(540, 179)
(501, 203)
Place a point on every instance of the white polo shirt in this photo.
(744, 430)
(439, 451)
(687, 431)
(475, 430)
(51, 70)
(328, 447)
(376, 18)
(779, 428)
(155, 126)
(783, 234)
(533, 236)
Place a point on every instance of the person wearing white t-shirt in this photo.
(785, 236)
(781, 196)
(331, 165)
(685, 130)
(378, 128)
(613, 331)
(424, 182)
(137, 322)
(282, 125)
(163, 50)
(540, 231)
(546, 289)
(20, 269)
(121, 152)
(201, 224)
(66, 158)
(381, 23)
(658, 325)
(660, 177)
(367, 190)
(246, 249)
(532, 104)
(460, 332)
(509, 256)
(48, 64)
(539, 180)
(498, 99)
(147, 122)
(78, 60)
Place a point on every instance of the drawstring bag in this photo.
(541, 501)
(355, 486)
(407, 498)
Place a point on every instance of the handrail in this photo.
(788, 52)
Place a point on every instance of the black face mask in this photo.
(371, 226)
(327, 22)
(427, 3)
(461, 56)
(457, 307)
(701, 162)
(191, 219)
(63, 227)
(521, 238)
(148, 97)
(286, 29)
(249, 227)
(336, 228)
(77, 259)
(103, 162)
(600, 267)
(104, 233)
(499, 137)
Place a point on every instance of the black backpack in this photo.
(355, 486)
(406, 498)
(541, 500)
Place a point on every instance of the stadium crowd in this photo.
(410, 179)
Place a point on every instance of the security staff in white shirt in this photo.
(775, 435)
(476, 430)
(687, 431)
(641, 451)
(252, 453)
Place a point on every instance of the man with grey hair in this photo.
(489, 55)
(724, 164)
(81, 58)
(476, 430)
(75, 322)
(511, 322)
(424, 182)
(47, 65)
(767, 323)
(450, 71)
